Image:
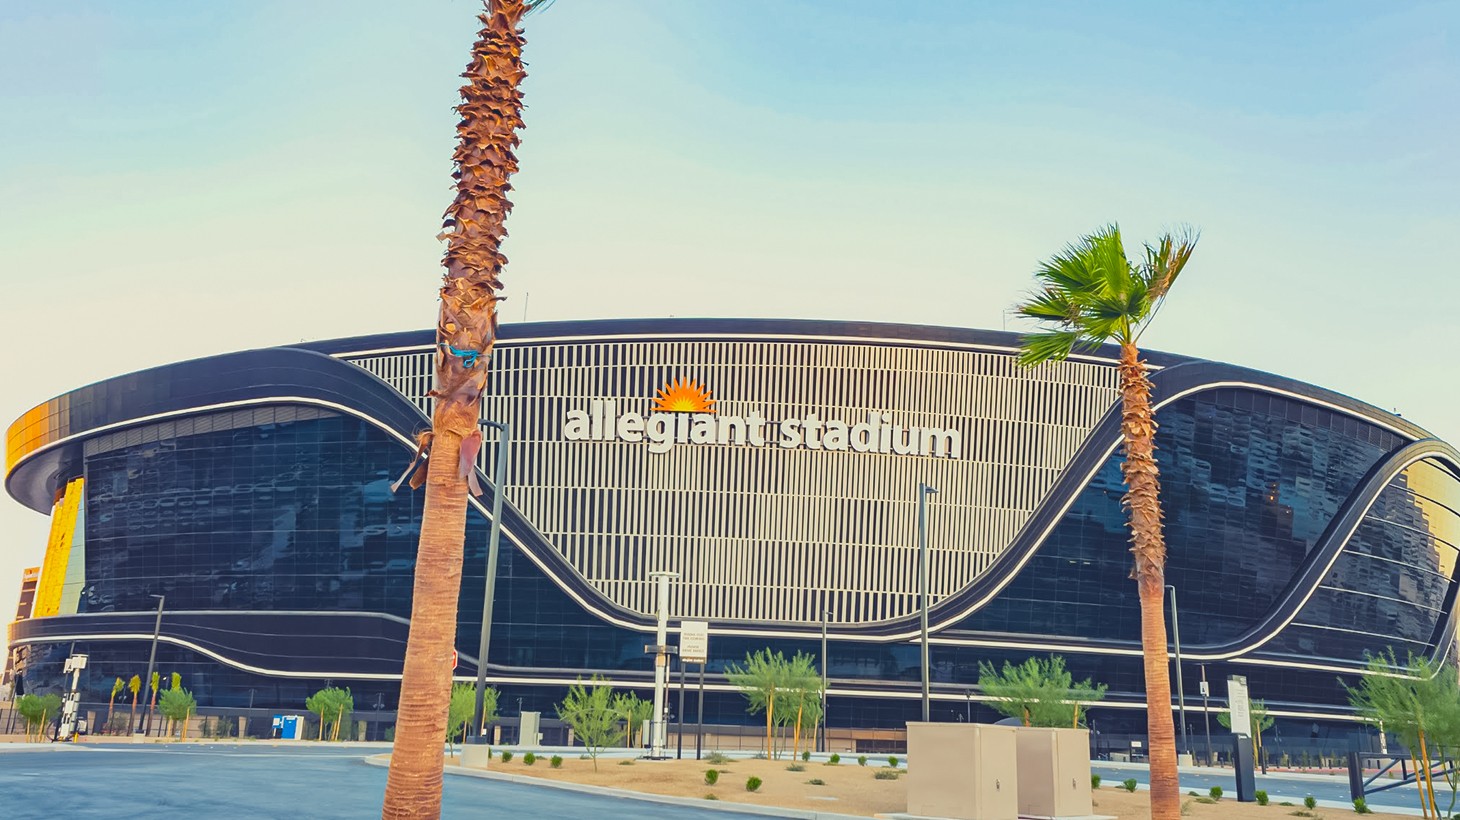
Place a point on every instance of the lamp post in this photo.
(968, 702)
(657, 730)
(152, 662)
(1180, 689)
(924, 491)
(825, 616)
(499, 487)
(1206, 711)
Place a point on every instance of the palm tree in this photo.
(134, 686)
(491, 114)
(117, 686)
(1087, 295)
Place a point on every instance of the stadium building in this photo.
(775, 466)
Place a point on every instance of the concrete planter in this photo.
(476, 755)
(963, 771)
(1054, 772)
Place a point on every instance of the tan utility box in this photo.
(964, 771)
(1054, 772)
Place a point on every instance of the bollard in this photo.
(1242, 766)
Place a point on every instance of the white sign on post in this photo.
(694, 642)
(1237, 702)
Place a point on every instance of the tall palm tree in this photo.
(491, 114)
(1087, 295)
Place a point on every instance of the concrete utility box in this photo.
(964, 771)
(1054, 772)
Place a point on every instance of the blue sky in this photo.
(182, 179)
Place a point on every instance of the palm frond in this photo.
(1050, 305)
(1052, 345)
(1167, 258)
(537, 5)
(1107, 257)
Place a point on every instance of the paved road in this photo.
(1332, 790)
(265, 781)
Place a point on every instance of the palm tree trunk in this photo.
(1148, 546)
(491, 114)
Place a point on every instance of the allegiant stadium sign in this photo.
(683, 413)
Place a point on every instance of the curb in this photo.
(645, 797)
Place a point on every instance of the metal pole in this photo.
(679, 752)
(923, 492)
(151, 662)
(825, 614)
(499, 488)
(700, 715)
(657, 728)
(1206, 712)
(1180, 678)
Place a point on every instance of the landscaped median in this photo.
(799, 789)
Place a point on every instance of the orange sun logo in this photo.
(684, 396)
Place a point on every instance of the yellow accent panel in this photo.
(58, 552)
(40, 426)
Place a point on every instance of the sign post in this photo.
(1242, 763)
(694, 647)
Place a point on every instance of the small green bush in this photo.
(556, 761)
(834, 760)
(816, 781)
(752, 784)
(712, 777)
(1193, 793)
(506, 756)
(1216, 792)
(712, 796)
(626, 763)
(390, 735)
(529, 758)
(1261, 797)
(861, 760)
(717, 758)
(892, 761)
(1361, 806)
(886, 774)
(806, 756)
(1310, 802)
(1129, 784)
(1207, 800)
(1094, 782)
(795, 767)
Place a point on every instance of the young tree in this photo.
(117, 686)
(332, 704)
(1039, 692)
(33, 711)
(463, 705)
(763, 679)
(1417, 701)
(1260, 722)
(633, 710)
(491, 114)
(152, 702)
(803, 695)
(177, 706)
(1089, 294)
(590, 711)
(135, 687)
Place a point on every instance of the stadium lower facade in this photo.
(774, 465)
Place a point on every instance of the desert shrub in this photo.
(1310, 802)
(892, 761)
(712, 796)
(626, 763)
(712, 777)
(834, 760)
(556, 761)
(861, 760)
(1261, 797)
(529, 758)
(1129, 784)
(816, 781)
(1216, 792)
(886, 774)
(1361, 806)
(806, 756)
(506, 756)
(717, 758)
(752, 783)
(795, 767)
(1094, 781)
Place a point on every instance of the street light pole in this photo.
(1180, 689)
(499, 488)
(657, 734)
(1206, 711)
(923, 492)
(152, 662)
(825, 614)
